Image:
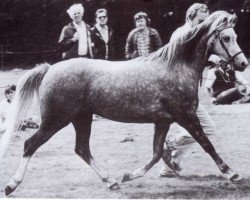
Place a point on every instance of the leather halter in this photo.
(217, 36)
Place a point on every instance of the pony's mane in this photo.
(175, 48)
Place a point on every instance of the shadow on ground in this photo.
(206, 187)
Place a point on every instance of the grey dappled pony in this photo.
(161, 88)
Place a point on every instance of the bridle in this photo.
(217, 36)
(226, 66)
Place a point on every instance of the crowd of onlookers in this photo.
(78, 39)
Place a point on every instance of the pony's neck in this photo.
(193, 53)
(201, 55)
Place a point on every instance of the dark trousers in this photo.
(233, 95)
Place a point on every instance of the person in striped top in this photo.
(142, 40)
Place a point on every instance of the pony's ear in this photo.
(233, 20)
(216, 32)
(192, 15)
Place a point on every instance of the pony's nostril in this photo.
(243, 64)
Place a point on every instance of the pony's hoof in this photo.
(114, 186)
(8, 190)
(235, 178)
(126, 177)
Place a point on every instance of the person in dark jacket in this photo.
(225, 85)
(142, 40)
(75, 38)
(102, 37)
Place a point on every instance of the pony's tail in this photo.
(27, 88)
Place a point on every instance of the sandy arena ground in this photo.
(55, 171)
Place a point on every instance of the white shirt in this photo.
(83, 38)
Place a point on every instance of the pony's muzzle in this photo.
(244, 65)
(240, 63)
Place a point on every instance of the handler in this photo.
(178, 143)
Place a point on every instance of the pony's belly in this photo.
(134, 115)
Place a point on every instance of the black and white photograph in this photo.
(124, 99)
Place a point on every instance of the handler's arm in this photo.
(210, 81)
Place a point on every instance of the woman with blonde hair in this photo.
(75, 40)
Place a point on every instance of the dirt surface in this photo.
(55, 171)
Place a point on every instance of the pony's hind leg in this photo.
(82, 124)
(161, 129)
(45, 132)
(192, 125)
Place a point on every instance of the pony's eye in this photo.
(226, 38)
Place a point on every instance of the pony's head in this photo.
(192, 48)
(223, 40)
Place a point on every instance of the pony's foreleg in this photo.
(161, 130)
(82, 124)
(192, 125)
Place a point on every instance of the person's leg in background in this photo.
(229, 96)
(176, 147)
(244, 97)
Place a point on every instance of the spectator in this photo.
(75, 38)
(5, 105)
(142, 40)
(225, 85)
(102, 36)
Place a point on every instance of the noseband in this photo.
(217, 36)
